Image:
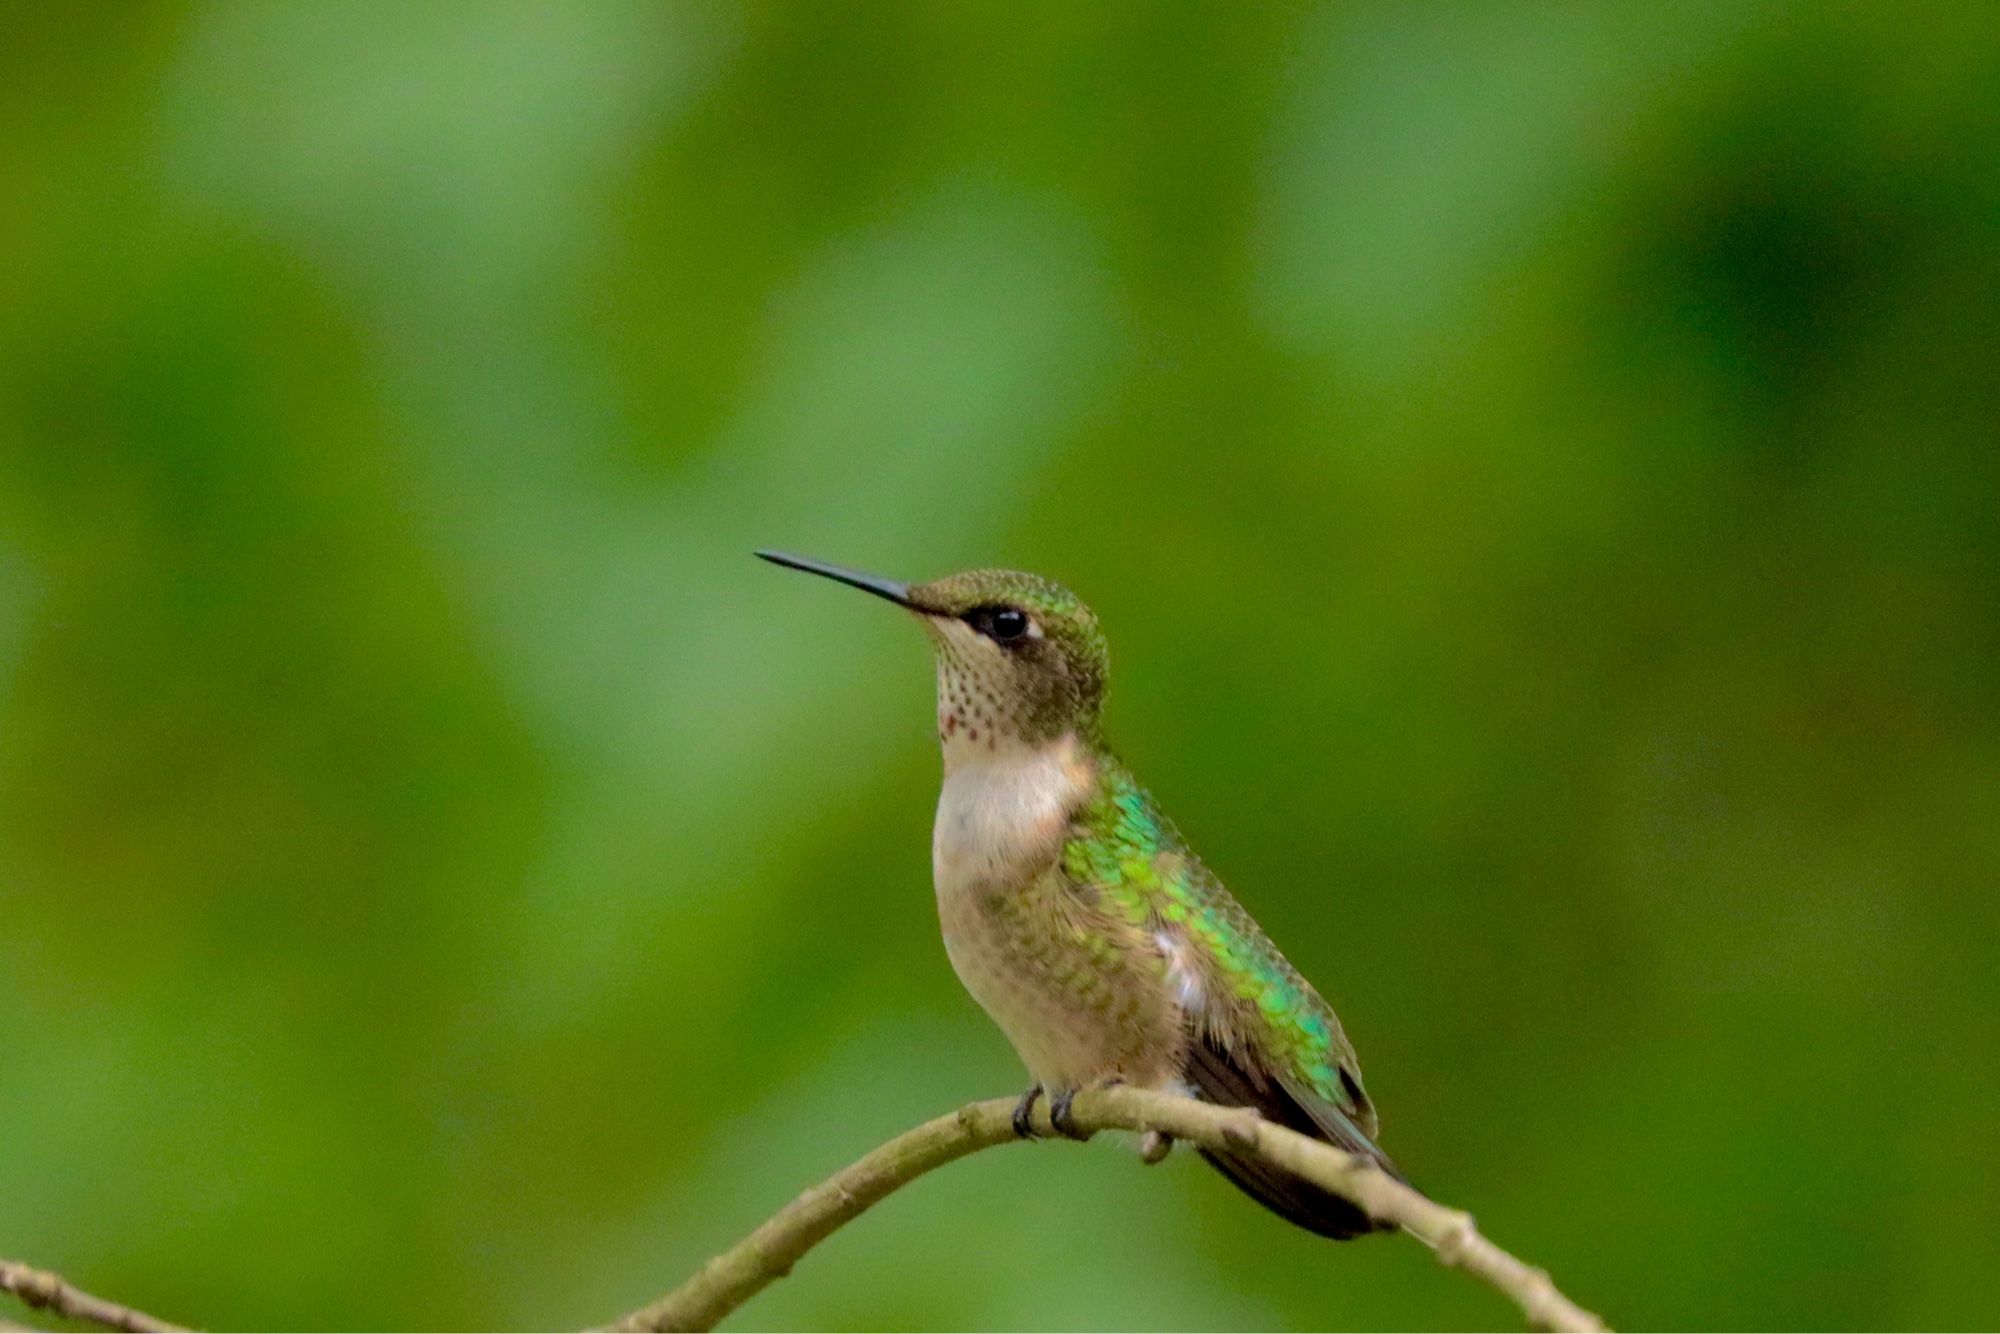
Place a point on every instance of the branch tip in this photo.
(45, 1291)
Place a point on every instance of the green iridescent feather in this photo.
(1137, 864)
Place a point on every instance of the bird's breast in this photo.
(1081, 994)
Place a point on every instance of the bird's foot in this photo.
(1024, 1113)
(1061, 1118)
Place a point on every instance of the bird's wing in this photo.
(1260, 1026)
(1262, 1037)
(1237, 986)
(1239, 1078)
(1259, 1035)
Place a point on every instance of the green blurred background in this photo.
(1536, 466)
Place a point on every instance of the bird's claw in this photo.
(1060, 1116)
(1024, 1113)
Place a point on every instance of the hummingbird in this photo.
(1080, 920)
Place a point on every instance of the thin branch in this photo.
(739, 1273)
(48, 1292)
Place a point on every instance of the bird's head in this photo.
(1020, 659)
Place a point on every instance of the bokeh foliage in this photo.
(1535, 464)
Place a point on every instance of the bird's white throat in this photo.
(1004, 812)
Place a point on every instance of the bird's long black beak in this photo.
(898, 593)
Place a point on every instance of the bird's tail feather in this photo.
(1292, 1198)
(1216, 1077)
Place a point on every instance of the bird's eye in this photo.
(1002, 624)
